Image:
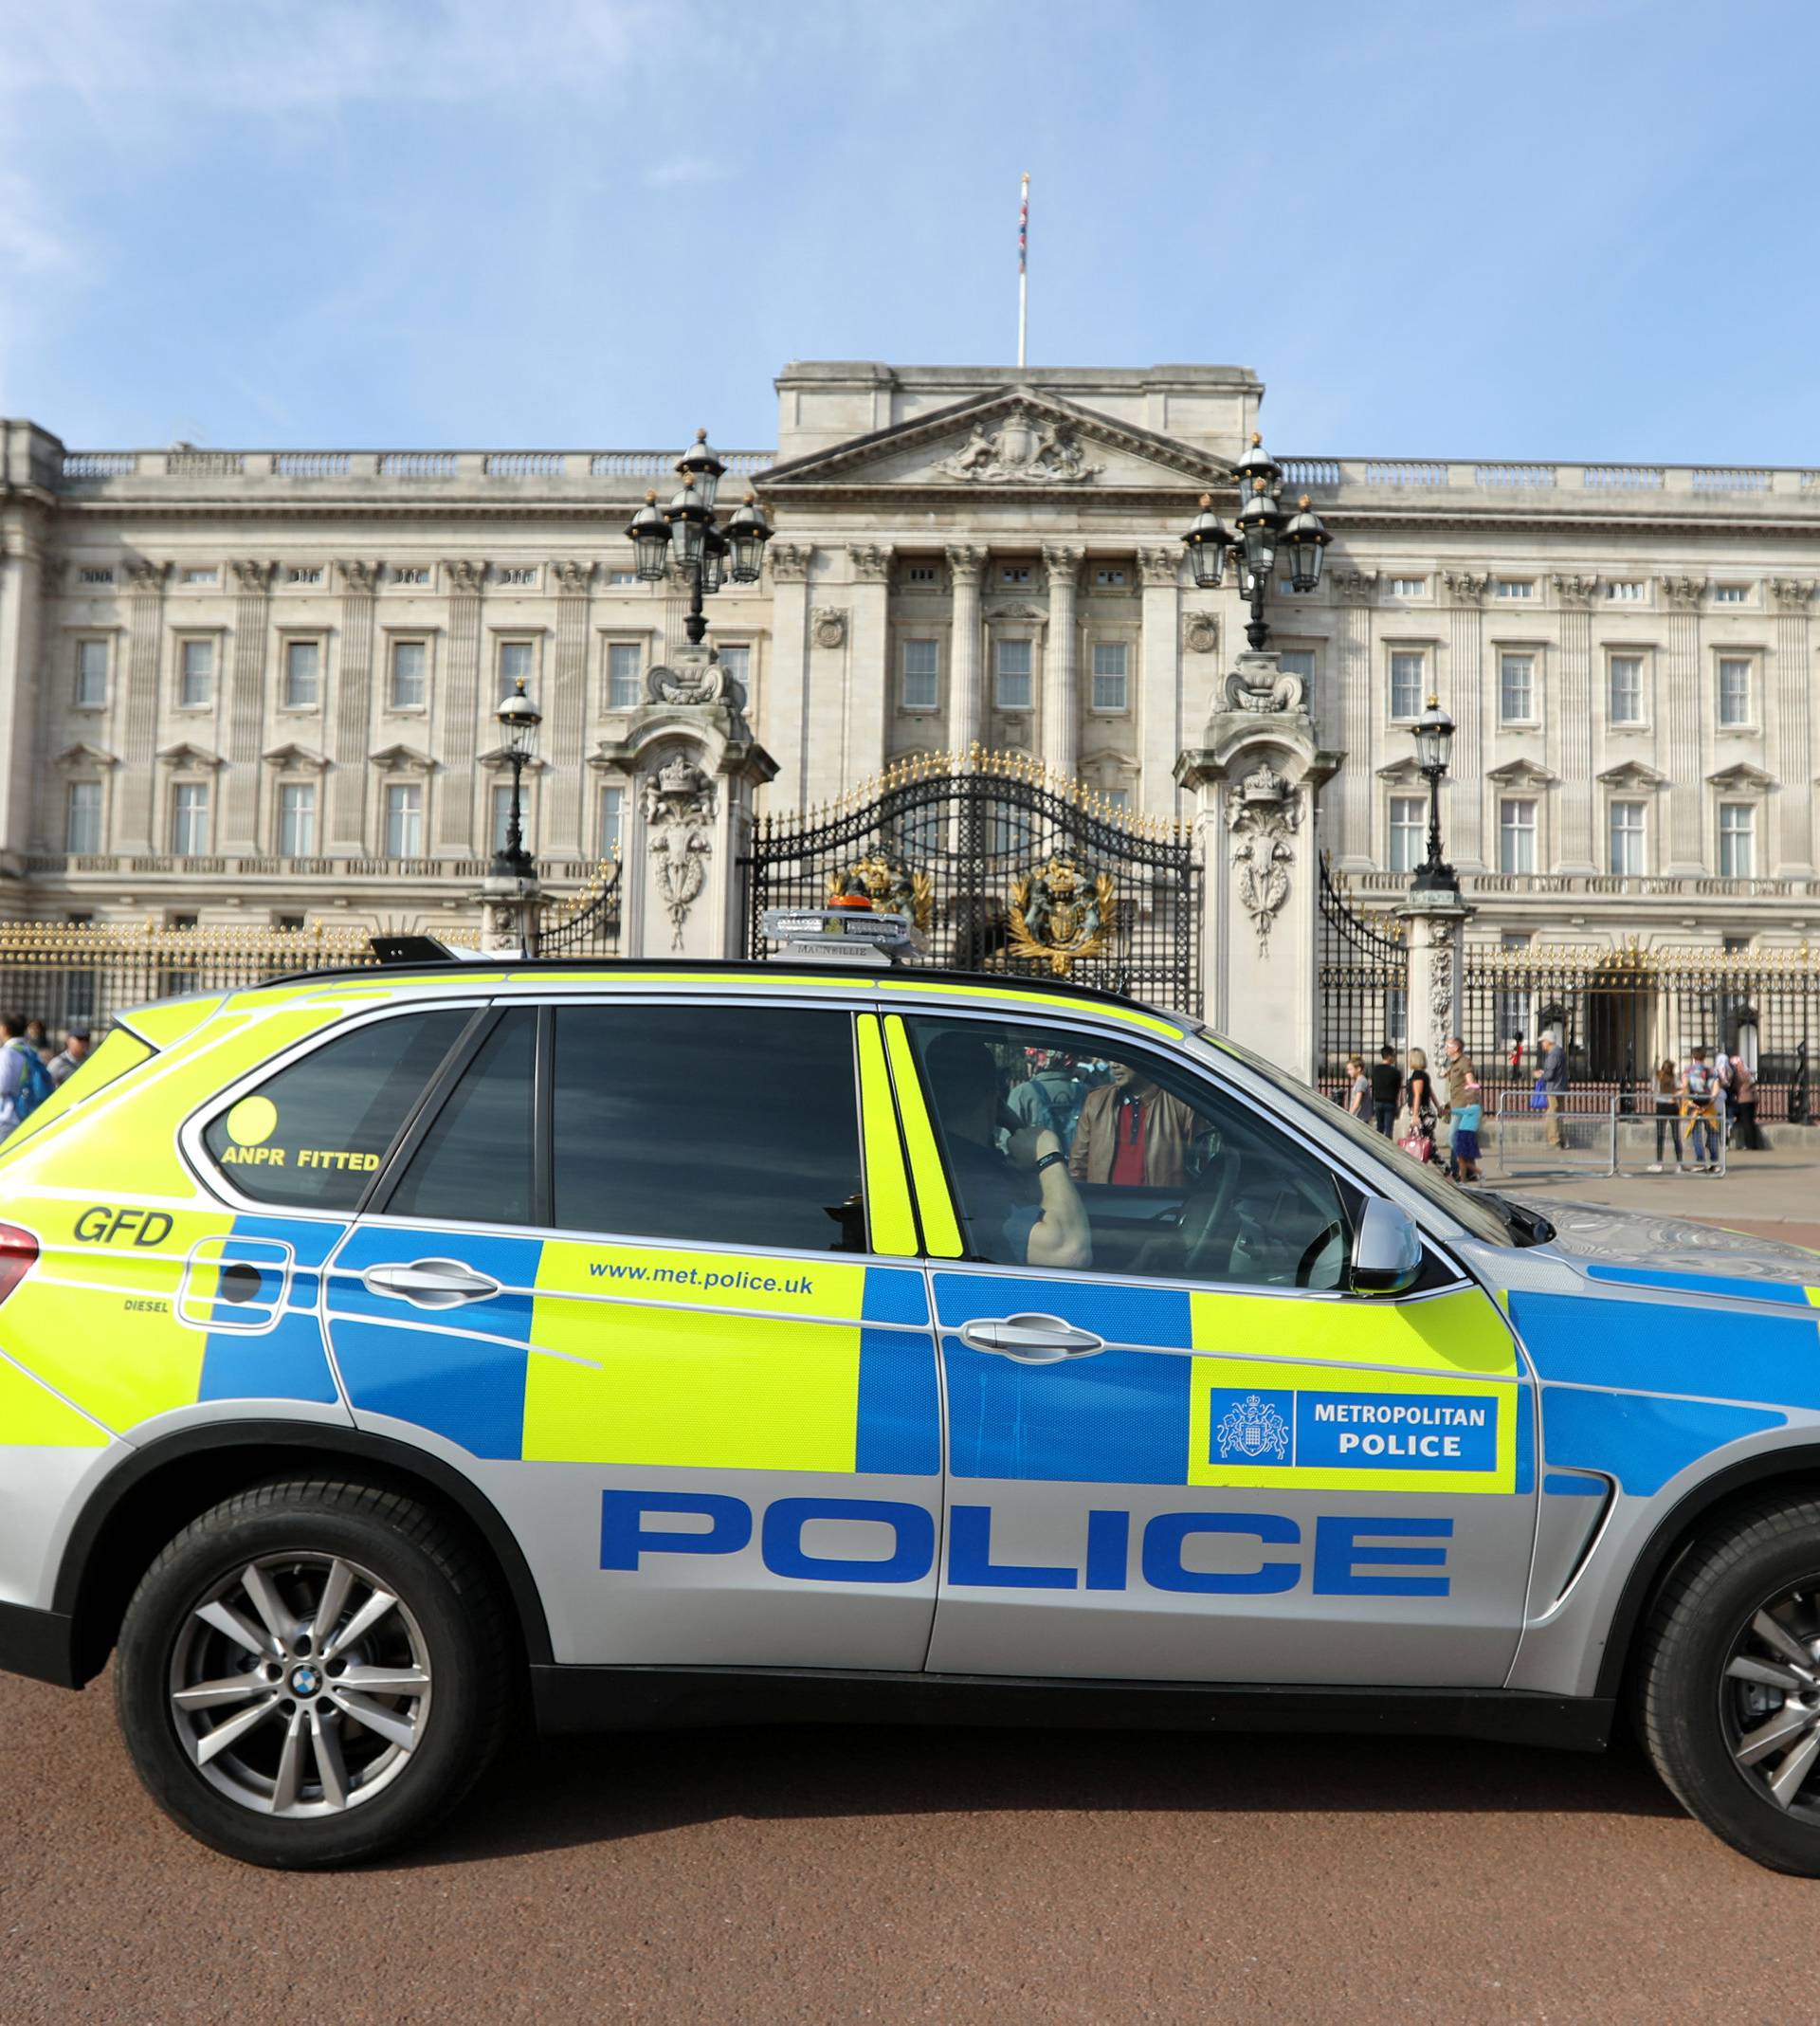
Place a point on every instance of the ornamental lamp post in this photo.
(1433, 732)
(1260, 531)
(686, 528)
(519, 720)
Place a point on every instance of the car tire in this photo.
(360, 1723)
(1729, 1705)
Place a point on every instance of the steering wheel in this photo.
(1205, 1210)
(1311, 1252)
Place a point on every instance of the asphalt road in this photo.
(884, 1875)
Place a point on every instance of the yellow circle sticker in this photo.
(252, 1122)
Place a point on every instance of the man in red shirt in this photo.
(1132, 1134)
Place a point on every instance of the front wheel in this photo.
(312, 1672)
(1730, 1685)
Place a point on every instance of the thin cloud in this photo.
(683, 171)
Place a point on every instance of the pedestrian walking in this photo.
(1699, 1108)
(25, 1083)
(1387, 1092)
(71, 1056)
(1555, 1089)
(1667, 1110)
(1746, 1133)
(1459, 1075)
(1359, 1089)
(1419, 1090)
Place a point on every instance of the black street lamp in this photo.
(1260, 531)
(519, 720)
(687, 527)
(1434, 733)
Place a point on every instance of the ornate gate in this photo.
(587, 924)
(1364, 983)
(1003, 868)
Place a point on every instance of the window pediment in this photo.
(498, 759)
(401, 759)
(1741, 779)
(1402, 773)
(297, 758)
(1633, 773)
(1520, 774)
(84, 755)
(188, 755)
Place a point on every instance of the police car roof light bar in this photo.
(845, 934)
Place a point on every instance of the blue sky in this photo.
(1554, 228)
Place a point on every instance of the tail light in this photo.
(18, 1255)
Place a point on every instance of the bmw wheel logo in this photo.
(305, 1681)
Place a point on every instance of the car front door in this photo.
(1189, 1452)
(644, 1275)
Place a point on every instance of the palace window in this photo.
(1737, 841)
(1625, 674)
(1730, 593)
(519, 577)
(1409, 684)
(621, 579)
(404, 819)
(518, 658)
(1408, 587)
(1297, 660)
(625, 668)
(922, 675)
(1517, 834)
(1626, 834)
(1109, 579)
(297, 819)
(736, 658)
(1110, 667)
(1014, 573)
(1409, 818)
(410, 675)
(303, 575)
(501, 799)
(302, 674)
(1734, 689)
(201, 574)
(1516, 587)
(1626, 591)
(94, 573)
(922, 574)
(411, 573)
(83, 818)
(612, 817)
(1012, 666)
(91, 674)
(190, 818)
(1517, 688)
(195, 673)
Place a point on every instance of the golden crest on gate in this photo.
(888, 884)
(1060, 914)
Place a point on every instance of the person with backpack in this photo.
(1698, 1101)
(25, 1083)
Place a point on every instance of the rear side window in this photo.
(719, 1125)
(475, 1163)
(314, 1136)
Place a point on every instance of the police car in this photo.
(388, 1354)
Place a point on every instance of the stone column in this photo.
(1353, 650)
(1160, 730)
(1255, 779)
(1061, 672)
(869, 683)
(1789, 749)
(1679, 697)
(246, 707)
(966, 687)
(689, 756)
(510, 910)
(1434, 930)
(1575, 713)
(1466, 589)
(461, 707)
(565, 711)
(787, 694)
(20, 635)
(140, 736)
(347, 825)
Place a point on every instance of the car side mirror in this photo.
(1386, 1252)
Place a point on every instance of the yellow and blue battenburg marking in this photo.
(1419, 1396)
(647, 1356)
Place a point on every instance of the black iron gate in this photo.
(1363, 985)
(587, 924)
(1002, 868)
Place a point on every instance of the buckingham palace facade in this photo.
(259, 686)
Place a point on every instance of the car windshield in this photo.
(1477, 1216)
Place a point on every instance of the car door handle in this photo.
(1036, 1340)
(431, 1283)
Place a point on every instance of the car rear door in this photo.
(647, 1271)
(1198, 1457)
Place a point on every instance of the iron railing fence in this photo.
(1362, 981)
(587, 924)
(1003, 867)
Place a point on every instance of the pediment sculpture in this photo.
(1027, 448)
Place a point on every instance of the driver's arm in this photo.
(1061, 1236)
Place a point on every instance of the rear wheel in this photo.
(1730, 1686)
(312, 1672)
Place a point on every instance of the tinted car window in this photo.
(475, 1163)
(314, 1135)
(727, 1125)
(1164, 1177)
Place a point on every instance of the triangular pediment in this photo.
(1519, 774)
(1011, 443)
(83, 755)
(1742, 776)
(1633, 773)
(190, 754)
(400, 759)
(298, 759)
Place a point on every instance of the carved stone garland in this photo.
(1262, 817)
(679, 818)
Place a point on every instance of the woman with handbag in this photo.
(1419, 1088)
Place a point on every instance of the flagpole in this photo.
(1022, 271)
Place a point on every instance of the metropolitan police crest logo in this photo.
(1253, 1431)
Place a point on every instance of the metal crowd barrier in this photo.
(1592, 1136)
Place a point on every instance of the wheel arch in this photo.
(158, 1489)
(1686, 1523)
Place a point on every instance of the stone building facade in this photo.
(259, 686)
